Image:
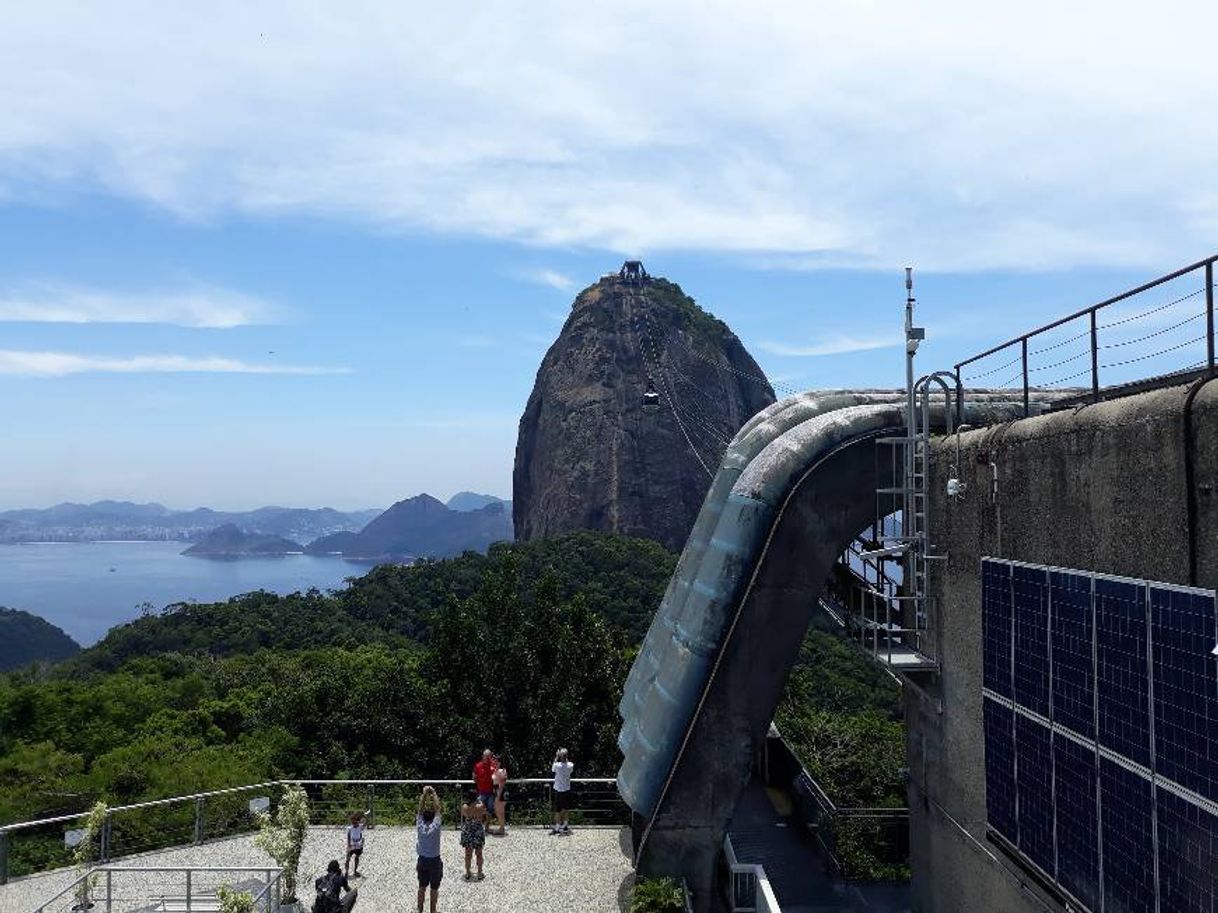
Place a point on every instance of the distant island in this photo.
(418, 527)
(27, 639)
(229, 541)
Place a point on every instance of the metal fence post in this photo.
(372, 805)
(109, 891)
(1027, 407)
(188, 890)
(105, 837)
(1095, 359)
(3, 857)
(1209, 313)
(198, 820)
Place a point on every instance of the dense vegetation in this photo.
(841, 714)
(404, 673)
(617, 578)
(26, 639)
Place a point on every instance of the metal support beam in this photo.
(1095, 359)
(1209, 314)
(1027, 405)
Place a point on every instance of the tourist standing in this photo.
(501, 797)
(355, 844)
(430, 867)
(562, 768)
(484, 779)
(473, 832)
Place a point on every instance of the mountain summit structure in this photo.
(632, 408)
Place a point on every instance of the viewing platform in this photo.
(529, 869)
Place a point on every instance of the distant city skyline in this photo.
(313, 256)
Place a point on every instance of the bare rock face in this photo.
(590, 455)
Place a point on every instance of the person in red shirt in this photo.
(484, 778)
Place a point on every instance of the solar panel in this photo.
(1122, 668)
(996, 626)
(1030, 613)
(1073, 663)
(1078, 859)
(1000, 769)
(1101, 734)
(1188, 856)
(1185, 688)
(1034, 791)
(1127, 828)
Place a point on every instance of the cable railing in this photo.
(166, 889)
(28, 847)
(1158, 334)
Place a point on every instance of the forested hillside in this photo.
(406, 672)
(26, 638)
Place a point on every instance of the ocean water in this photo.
(88, 587)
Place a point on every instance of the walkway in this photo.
(526, 870)
(795, 867)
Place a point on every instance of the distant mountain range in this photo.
(423, 527)
(124, 520)
(26, 639)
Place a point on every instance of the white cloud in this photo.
(947, 134)
(62, 364)
(194, 307)
(836, 345)
(548, 277)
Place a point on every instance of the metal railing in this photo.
(1093, 351)
(192, 889)
(749, 890)
(33, 846)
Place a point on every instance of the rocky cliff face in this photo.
(589, 454)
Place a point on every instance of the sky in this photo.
(312, 254)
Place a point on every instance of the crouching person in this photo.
(330, 888)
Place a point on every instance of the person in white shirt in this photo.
(355, 844)
(562, 792)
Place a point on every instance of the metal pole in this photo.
(188, 890)
(3, 857)
(105, 838)
(198, 820)
(1027, 408)
(371, 804)
(109, 891)
(1095, 359)
(1209, 313)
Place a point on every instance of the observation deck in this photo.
(529, 869)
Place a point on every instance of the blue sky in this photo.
(292, 254)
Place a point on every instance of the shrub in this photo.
(283, 836)
(657, 895)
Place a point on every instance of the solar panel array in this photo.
(1101, 734)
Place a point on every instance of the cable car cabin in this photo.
(651, 400)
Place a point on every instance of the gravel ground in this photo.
(527, 870)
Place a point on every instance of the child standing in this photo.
(473, 831)
(355, 844)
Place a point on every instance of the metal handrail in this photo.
(189, 869)
(1210, 364)
(152, 803)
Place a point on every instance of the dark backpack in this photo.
(328, 886)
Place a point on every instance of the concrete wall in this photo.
(1101, 488)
